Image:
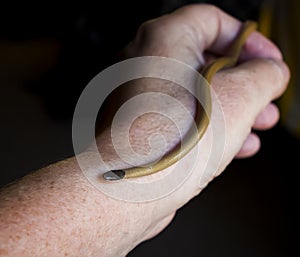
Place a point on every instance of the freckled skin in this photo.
(55, 211)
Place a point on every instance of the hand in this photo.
(193, 35)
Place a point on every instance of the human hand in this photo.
(193, 35)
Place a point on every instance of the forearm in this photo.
(57, 212)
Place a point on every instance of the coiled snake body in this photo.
(201, 119)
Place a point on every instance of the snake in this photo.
(201, 118)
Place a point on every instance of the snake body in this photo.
(201, 119)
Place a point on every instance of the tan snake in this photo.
(201, 118)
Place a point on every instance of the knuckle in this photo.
(145, 27)
(146, 36)
(203, 7)
(275, 74)
(211, 8)
(280, 69)
(150, 29)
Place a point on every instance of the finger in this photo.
(245, 90)
(194, 29)
(250, 147)
(258, 46)
(251, 84)
(267, 118)
(221, 32)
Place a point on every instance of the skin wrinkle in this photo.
(187, 12)
(193, 36)
(167, 47)
(210, 42)
(208, 14)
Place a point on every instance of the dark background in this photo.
(48, 54)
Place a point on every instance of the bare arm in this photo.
(56, 211)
